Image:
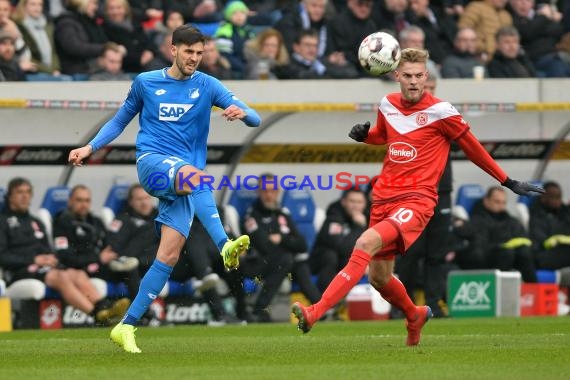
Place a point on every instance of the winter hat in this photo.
(233, 7)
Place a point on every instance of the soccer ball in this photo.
(379, 53)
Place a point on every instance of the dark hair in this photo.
(188, 35)
(132, 189)
(547, 185)
(353, 189)
(77, 188)
(12, 185)
(306, 33)
(491, 190)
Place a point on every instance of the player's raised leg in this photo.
(366, 246)
(198, 184)
(171, 243)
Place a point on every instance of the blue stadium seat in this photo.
(302, 209)
(241, 200)
(467, 195)
(115, 203)
(55, 200)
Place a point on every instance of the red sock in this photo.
(395, 293)
(342, 283)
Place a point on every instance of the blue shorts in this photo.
(157, 174)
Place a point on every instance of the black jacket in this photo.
(338, 232)
(22, 238)
(544, 223)
(79, 40)
(78, 242)
(539, 35)
(260, 222)
(503, 67)
(134, 235)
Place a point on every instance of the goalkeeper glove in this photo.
(522, 188)
(554, 240)
(359, 132)
(517, 243)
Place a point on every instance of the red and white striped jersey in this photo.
(418, 139)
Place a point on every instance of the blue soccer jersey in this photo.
(174, 115)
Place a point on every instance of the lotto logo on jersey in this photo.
(401, 152)
(171, 111)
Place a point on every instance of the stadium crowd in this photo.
(61, 40)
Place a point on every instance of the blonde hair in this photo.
(413, 55)
(255, 44)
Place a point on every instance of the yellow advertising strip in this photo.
(535, 107)
(13, 103)
(314, 153)
(304, 107)
(563, 151)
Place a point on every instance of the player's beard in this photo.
(413, 97)
(184, 68)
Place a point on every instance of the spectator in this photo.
(497, 240)
(121, 28)
(414, 37)
(232, 35)
(197, 11)
(345, 222)
(22, 53)
(132, 233)
(347, 30)
(9, 68)
(79, 39)
(278, 246)
(549, 229)
(81, 242)
(486, 18)
(264, 53)
(26, 253)
(439, 29)
(109, 64)
(213, 63)
(390, 15)
(309, 14)
(265, 13)
(172, 20)
(163, 57)
(305, 63)
(509, 60)
(465, 56)
(37, 32)
(146, 12)
(540, 30)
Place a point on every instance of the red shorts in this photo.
(410, 217)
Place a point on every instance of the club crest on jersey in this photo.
(171, 111)
(421, 119)
(194, 93)
(401, 152)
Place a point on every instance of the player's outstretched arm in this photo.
(76, 156)
(522, 188)
(480, 157)
(359, 132)
(244, 113)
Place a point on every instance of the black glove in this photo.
(359, 132)
(522, 188)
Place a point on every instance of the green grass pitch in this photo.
(496, 348)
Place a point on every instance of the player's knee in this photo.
(369, 242)
(168, 257)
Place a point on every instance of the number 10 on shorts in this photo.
(402, 216)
